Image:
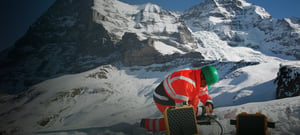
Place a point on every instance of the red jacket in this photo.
(184, 86)
(180, 86)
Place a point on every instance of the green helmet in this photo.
(211, 75)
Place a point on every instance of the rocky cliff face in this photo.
(78, 35)
(64, 40)
(286, 33)
(288, 81)
(146, 20)
(243, 24)
(141, 53)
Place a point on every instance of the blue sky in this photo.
(18, 15)
(277, 8)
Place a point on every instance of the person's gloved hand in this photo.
(202, 110)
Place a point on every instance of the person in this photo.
(183, 87)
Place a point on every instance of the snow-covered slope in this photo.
(108, 100)
(100, 97)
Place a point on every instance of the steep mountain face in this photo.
(138, 29)
(287, 81)
(78, 35)
(144, 20)
(286, 32)
(226, 14)
(141, 53)
(64, 40)
(243, 24)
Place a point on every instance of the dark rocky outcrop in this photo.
(140, 53)
(287, 81)
(64, 40)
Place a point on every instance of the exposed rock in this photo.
(64, 40)
(135, 52)
(287, 81)
(243, 24)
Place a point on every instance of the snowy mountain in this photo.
(90, 67)
(64, 40)
(146, 21)
(71, 37)
(243, 24)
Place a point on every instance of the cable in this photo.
(206, 120)
(220, 125)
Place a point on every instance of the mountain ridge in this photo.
(239, 22)
(67, 39)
